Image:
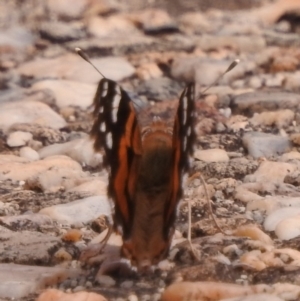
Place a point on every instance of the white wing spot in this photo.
(115, 107)
(184, 113)
(118, 90)
(104, 89)
(185, 100)
(184, 143)
(116, 101)
(109, 141)
(101, 110)
(189, 130)
(102, 127)
(114, 115)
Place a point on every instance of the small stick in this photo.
(197, 174)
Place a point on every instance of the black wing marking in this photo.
(116, 130)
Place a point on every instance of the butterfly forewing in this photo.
(116, 130)
(185, 119)
(183, 147)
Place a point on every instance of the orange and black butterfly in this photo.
(146, 169)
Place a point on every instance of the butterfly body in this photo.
(148, 239)
(145, 170)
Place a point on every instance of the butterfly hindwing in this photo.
(116, 130)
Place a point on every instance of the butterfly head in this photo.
(145, 257)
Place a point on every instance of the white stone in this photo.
(81, 150)
(71, 67)
(133, 298)
(271, 171)
(28, 111)
(79, 211)
(105, 280)
(288, 228)
(18, 171)
(67, 92)
(18, 138)
(109, 26)
(272, 203)
(35, 218)
(29, 153)
(67, 8)
(58, 295)
(92, 186)
(279, 215)
(12, 159)
(255, 297)
(280, 118)
(290, 156)
(211, 155)
(17, 281)
(56, 178)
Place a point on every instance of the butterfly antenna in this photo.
(230, 67)
(83, 55)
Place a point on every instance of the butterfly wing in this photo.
(116, 130)
(183, 146)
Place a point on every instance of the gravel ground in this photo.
(53, 198)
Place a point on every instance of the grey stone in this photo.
(17, 36)
(265, 145)
(79, 211)
(67, 92)
(252, 43)
(256, 102)
(117, 45)
(61, 31)
(80, 150)
(27, 221)
(282, 38)
(28, 111)
(26, 247)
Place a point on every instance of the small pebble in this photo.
(127, 284)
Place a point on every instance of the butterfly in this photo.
(146, 168)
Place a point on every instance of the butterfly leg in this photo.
(190, 179)
(194, 251)
(198, 174)
(95, 249)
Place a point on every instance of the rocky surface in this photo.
(54, 207)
